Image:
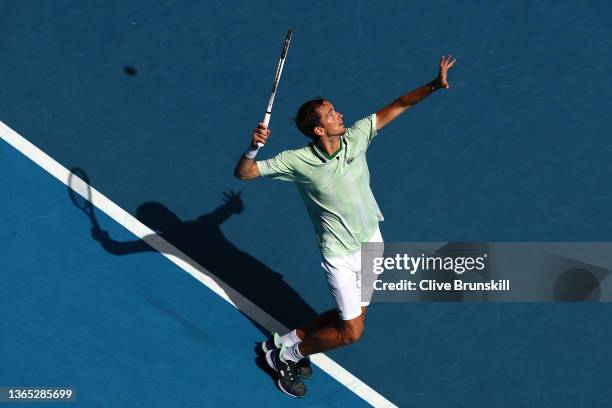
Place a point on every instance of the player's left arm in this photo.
(398, 106)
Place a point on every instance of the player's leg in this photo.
(332, 330)
(327, 319)
(343, 327)
(340, 333)
(341, 278)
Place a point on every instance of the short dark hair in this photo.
(308, 118)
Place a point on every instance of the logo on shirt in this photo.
(350, 160)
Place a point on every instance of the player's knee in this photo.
(352, 331)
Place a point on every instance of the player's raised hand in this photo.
(260, 134)
(445, 65)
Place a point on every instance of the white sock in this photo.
(289, 339)
(292, 354)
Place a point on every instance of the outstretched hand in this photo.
(445, 64)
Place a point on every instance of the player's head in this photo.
(318, 117)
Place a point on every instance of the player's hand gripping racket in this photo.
(80, 194)
(279, 71)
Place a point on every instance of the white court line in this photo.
(190, 266)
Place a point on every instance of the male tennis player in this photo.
(332, 177)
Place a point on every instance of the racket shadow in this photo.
(201, 243)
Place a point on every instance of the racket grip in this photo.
(266, 121)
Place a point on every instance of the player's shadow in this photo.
(201, 243)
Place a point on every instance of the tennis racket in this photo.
(279, 71)
(80, 194)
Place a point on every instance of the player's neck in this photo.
(329, 144)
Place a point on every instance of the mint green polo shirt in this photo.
(335, 189)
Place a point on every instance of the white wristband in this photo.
(251, 152)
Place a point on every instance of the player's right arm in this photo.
(246, 169)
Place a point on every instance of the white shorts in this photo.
(344, 278)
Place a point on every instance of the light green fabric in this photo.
(336, 191)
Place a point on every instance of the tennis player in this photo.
(332, 177)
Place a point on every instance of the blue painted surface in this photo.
(517, 150)
(124, 331)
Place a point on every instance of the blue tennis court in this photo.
(156, 102)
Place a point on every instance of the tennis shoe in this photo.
(271, 343)
(289, 380)
(303, 366)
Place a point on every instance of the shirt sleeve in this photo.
(363, 131)
(280, 167)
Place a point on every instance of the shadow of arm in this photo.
(119, 248)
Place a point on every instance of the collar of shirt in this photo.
(324, 157)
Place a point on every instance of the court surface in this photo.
(517, 150)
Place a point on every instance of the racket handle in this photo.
(266, 121)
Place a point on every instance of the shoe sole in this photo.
(278, 382)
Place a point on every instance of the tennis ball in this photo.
(130, 71)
